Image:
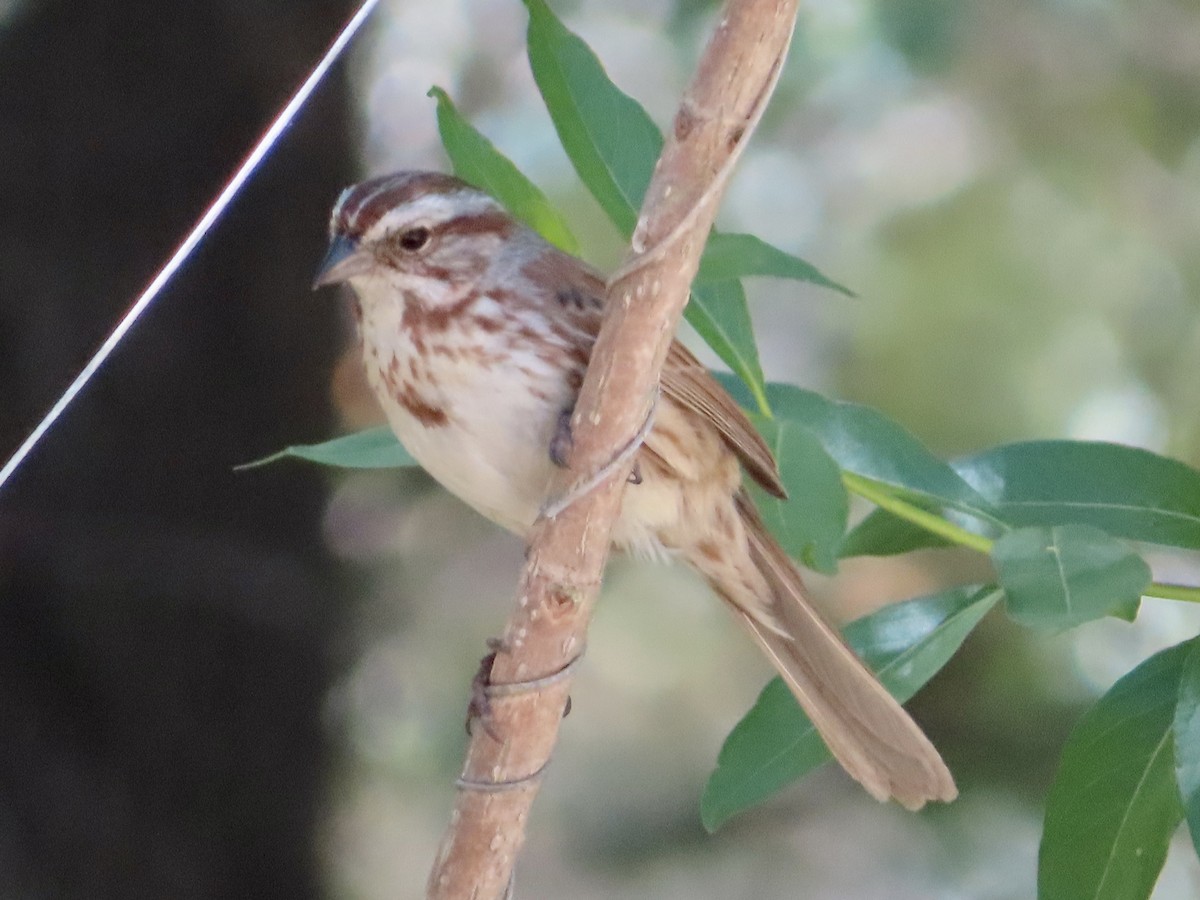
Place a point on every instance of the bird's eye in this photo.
(413, 239)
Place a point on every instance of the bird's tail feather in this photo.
(863, 726)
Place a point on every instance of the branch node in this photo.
(685, 121)
(564, 599)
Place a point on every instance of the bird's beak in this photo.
(342, 260)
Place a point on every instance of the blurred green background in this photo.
(1012, 189)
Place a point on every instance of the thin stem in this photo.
(931, 522)
(1168, 591)
(935, 524)
(760, 400)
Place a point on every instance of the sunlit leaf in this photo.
(1059, 577)
(1114, 804)
(775, 744)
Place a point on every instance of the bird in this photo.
(475, 335)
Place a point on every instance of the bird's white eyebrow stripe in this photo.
(434, 209)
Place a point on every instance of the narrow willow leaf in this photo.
(775, 744)
(729, 256)
(810, 523)
(607, 135)
(1114, 804)
(1125, 491)
(1187, 740)
(720, 316)
(864, 441)
(1055, 578)
(868, 443)
(613, 144)
(375, 448)
(477, 161)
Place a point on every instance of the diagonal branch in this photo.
(547, 630)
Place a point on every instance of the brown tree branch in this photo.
(567, 553)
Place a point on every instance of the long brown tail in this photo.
(867, 731)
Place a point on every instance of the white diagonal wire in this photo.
(194, 237)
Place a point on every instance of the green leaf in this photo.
(613, 144)
(881, 533)
(1187, 740)
(720, 316)
(730, 256)
(864, 441)
(810, 523)
(1114, 804)
(477, 161)
(1058, 577)
(375, 448)
(868, 443)
(774, 744)
(1125, 491)
(609, 138)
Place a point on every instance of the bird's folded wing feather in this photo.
(688, 383)
(684, 380)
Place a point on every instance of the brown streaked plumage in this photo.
(476, 334)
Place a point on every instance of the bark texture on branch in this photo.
(567, 554)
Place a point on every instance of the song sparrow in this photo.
(475, 335)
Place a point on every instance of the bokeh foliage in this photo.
(1057, 518)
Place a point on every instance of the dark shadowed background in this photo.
(166, 624)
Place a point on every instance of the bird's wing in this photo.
(688, 383)
(684, 380)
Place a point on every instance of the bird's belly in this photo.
(494, 456)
